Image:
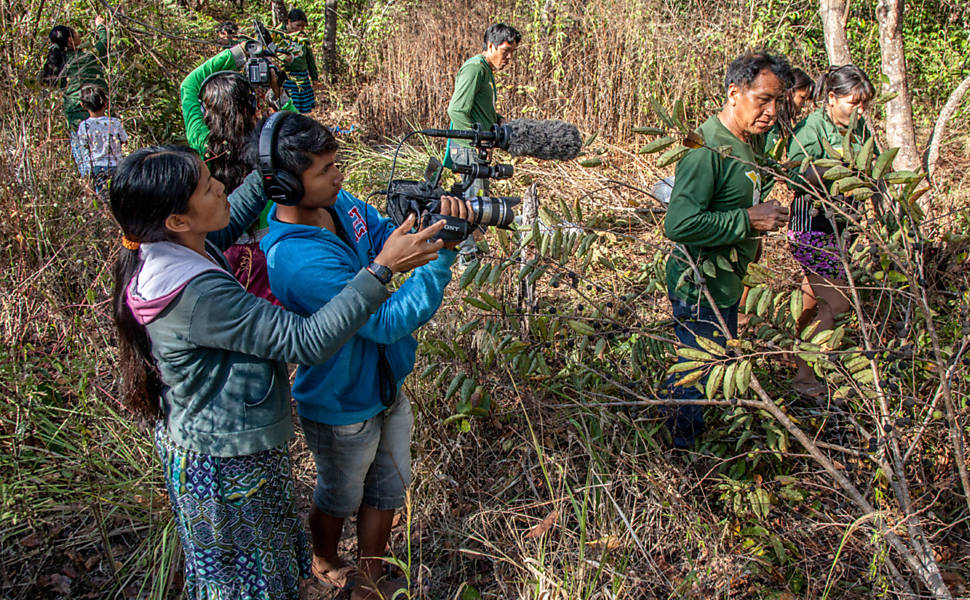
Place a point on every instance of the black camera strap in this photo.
(387, 385)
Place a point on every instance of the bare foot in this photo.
(338, 574)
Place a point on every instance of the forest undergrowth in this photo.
(542, 468)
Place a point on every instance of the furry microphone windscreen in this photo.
(548, 140)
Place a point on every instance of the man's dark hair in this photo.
(296, 15)
(744, 69)
(93, 97)
(299, 138)
(499, 33)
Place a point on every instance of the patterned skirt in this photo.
(300, 90)
(239, 529)
(817, 252)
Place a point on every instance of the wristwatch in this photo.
(382, 273)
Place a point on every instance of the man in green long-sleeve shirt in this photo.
(473, 102)
(716, 215)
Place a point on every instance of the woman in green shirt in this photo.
(220, 109)
(814, 236)
(70, 68)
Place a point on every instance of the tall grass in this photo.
(592, 63)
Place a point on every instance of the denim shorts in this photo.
(368, 461)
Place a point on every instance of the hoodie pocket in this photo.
(268, 405)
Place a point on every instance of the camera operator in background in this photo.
(716, 213)
(356, 420)
(301, 67)
(473, 101)
(220, 108)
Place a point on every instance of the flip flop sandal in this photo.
(341, 579)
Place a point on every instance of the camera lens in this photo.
(493, 211)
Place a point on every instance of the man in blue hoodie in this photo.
(356, 421)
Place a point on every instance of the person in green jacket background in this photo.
(206, 362)
(813, 237)
(301, 68)
(473, 102)
(71, 68)
(716, 216)
(220, 109)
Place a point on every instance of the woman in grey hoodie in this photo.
(207, 361)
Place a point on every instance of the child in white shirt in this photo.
(100, 137)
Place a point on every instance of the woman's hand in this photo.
(456, 207)
(274, 84)
(404, 251)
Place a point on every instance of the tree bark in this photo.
(279, 12)
(951, 106)
(833, 14)
(900, 131)
(527, 291)
(330, 39)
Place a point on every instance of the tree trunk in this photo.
(527, 291)
(279, 12)
(900, 131)
(330, 39)
(951, 106)
(833, 13)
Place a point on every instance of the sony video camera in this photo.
(259, 50)
(547, 140)
(423, 198)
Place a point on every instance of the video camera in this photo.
(549, 140)
(423, 198)
(259, 50)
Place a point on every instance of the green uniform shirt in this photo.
(474, 98)
(81, 68)
(707, 213)
(807, 141)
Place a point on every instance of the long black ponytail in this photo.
(59, 38)
(148, 186)
(787, 112)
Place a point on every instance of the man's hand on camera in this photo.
(455, 207)
(404, 251)
(767, 216)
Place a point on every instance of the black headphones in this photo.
(211, 76)
(281, 186)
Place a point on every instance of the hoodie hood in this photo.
(279, 231)
(166, 268)
(353, 220)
